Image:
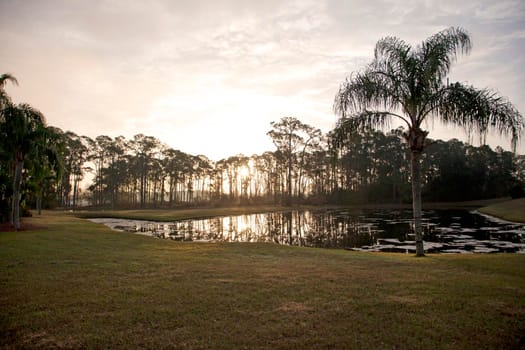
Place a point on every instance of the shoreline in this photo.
(208, 212)
(511, 210)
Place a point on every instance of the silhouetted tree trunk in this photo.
(17, 180)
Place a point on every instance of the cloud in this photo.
(195, 71)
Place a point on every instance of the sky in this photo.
(209, 76)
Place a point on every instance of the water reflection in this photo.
(444, 231)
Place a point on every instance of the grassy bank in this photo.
(513, 210)
(76, 284)
(177, 214)
(201, 213)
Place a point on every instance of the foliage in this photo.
(30, 154)
(23, 135)
(484, 173)
(294, 140)
(370, 167)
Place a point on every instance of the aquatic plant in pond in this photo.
(392, 231)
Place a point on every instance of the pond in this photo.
(445, 231)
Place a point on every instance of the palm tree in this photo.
(408, 83)
(22, 128)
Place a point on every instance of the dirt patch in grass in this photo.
(44, 340)
(408, 300)
(292, 306)
(7, 227)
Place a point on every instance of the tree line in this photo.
(307, 166)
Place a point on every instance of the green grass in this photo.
(77, 284)
(513, 210)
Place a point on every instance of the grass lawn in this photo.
(513, 210)
(76, 284)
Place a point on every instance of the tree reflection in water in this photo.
(445, 231)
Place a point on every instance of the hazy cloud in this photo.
(209, 76)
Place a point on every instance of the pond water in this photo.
(387, 231)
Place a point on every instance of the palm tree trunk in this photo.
(416, 201)
(15, 206)
(39, 202)
(75, 188)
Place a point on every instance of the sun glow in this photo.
(219, 126)
(244, 172)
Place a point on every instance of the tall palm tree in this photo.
(409, 83)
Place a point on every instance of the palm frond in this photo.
(437, 53)
(33, 115)
(5, 77)
(4, 97)
(391, 50)
(480, 110)
(367, 90)
(360, 123)
(394, 61)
